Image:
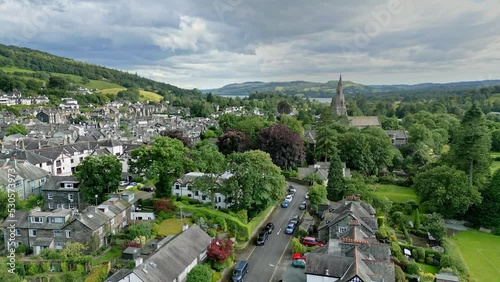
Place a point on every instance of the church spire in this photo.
(338, 102)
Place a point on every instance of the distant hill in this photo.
(27, 63)
(328, 89)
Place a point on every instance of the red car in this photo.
(311, 242)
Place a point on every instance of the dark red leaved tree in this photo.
(220, 250)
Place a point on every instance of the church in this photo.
(339, 108)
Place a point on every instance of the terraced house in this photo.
(39, 229)
(27, 178)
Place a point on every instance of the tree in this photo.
(317, 195)
(434, 223)
(495, 141)
(487, 213)
(469, 149)
(58, 82)
(285, 147)
(336, 186)
(356, 152)
(234, 141)
(284, 107)
(199, 273)
(326, 135)
(446, 190)
(256, 184)
(16, 128)
(220, 250)
(164, 205)
(207, 159)
(293, 124)
(179, 135)
(166, 159)
(98, 176)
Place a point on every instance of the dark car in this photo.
(262, 238)
(303, 205)
(148, 189)
(269, 227)
(292, 189)
(285, 204)
(239, 271)
(295, 219)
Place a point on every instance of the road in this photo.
(264, 261)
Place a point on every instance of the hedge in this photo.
(453, 259)
(241, 231)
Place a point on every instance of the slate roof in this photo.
(28, 156)
(364, 121)
(54, 183)
(174, 257)
(24, 169)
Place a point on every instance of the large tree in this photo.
(284, 107)
(207, 158)
(179, 135)
(445, 190)
(356, 152)
(256, 184)
(98, 176)
(326, 135)
(165, 160)
(317, 195)
(470, 147)
(234, 141)
(336, 186)
(487, 213)
(285, 147)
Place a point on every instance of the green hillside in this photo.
(20, 65)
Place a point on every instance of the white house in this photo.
(184, 187)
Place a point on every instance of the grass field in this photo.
(481, 253)
(428, 268)
(150, 96)
(172, 226)
(14, 69)
(395, 193)
(494, 97)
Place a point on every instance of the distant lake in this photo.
(321, 100)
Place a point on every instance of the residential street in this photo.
(270, 262)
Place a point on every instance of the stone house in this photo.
(173, 261)
(340, 214)
(398, 137)
(62, 192)
(26, 178)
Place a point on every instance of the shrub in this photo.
(138, 230)
(452, 258)
(199, 273)
(412, 268)
(162, 215)
(421, 254)
(220, 250)
(32, 268)
(400, 275)
(216, 276)
(98, 274)
(303, 232)
(64, 266)
(80, 268)
(164, 205)
(21, 249)
(297, 247)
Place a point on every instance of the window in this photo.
(72, 161)
(71, 206)
(196, 193)
(58, 163)
(57, 233)
(81, 159)
(32, 232)
(57, 220)
(68, 233)
(18, 232)
(51, 206)
(177, 186)
(71, 197)
(204, 198)
(49, 196)
(342, 229)
(59, 170)
(36, 219)
(18, 182)
(177, 194)
(59, 246)
(190, 195)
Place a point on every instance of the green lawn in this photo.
(428, 268)
(15, 69)
(113, 253)
(481, 253)
(395, 193)
(172, 226)
(150, 96)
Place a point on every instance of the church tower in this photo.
(338, 102)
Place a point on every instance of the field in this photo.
(481, 253)
(395, 193)
(150, 96)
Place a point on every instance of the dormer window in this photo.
(36, 219)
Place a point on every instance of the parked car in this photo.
(269, 227)
(285, 204)
(239, 271)
(292, 189)
(311, 242)
(262, 238)
(307, 195)
(290, 228)
(298, 256)
(299, 263)
(133, 183)
(123, 183)
(289, 198)
(295, 219)
(303, 205)
(148, 189)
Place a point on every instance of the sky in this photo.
(210, 43)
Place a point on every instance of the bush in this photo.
(32, 268)
(412, 268)
(138, 230)
(98, 274)
(452, 258)
(303, 232)
(297, 246)
(199, 273)
(216, 276)
(21, 249)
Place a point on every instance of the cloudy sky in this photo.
(211, 43)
